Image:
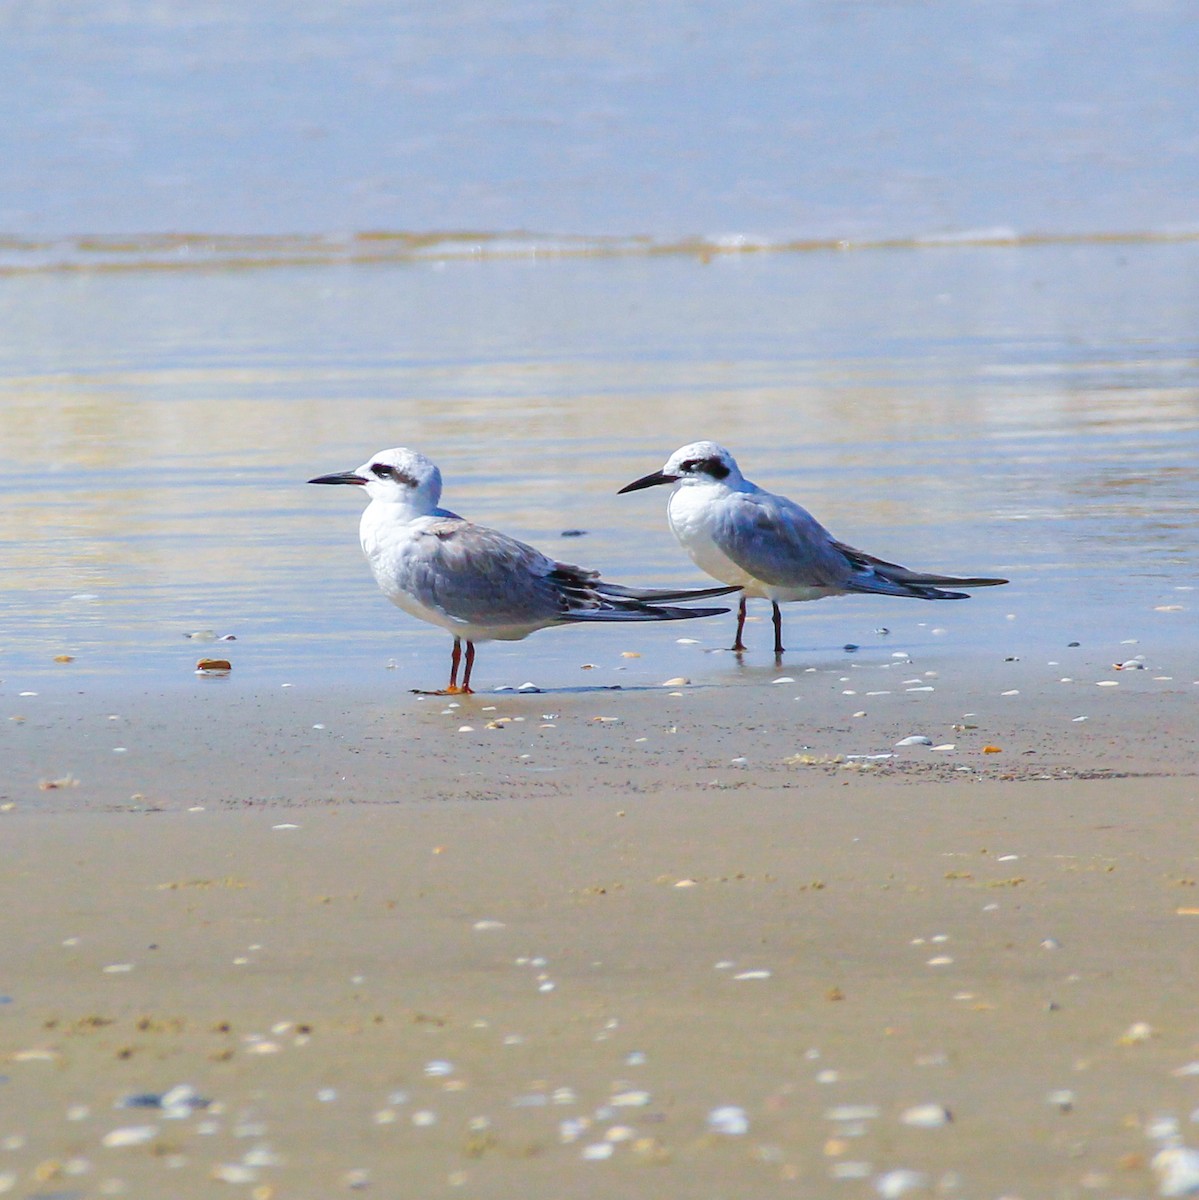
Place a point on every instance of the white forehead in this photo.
(403, 459)
(701, 451)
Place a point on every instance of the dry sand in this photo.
(547, 959)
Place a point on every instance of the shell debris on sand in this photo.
(926, 1116)
(729, 1120)
(1177, 1171)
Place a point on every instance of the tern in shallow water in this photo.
(478, 583)
(768, 545)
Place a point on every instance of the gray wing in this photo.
(480, 575)
(775, 540)
(487, 578)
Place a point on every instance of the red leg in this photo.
(778, 628)
(455, 659)
(738, 644)
(470, 662)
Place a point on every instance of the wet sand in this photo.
(419, 950)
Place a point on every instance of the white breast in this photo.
(690, 515)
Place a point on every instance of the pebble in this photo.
(597, 1151)
(916, 739)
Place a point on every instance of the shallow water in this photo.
(1030, 411)
(773, 118)
(927, 268)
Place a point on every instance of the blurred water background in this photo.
(930, 268)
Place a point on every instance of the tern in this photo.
(478, 583)
(768, 545)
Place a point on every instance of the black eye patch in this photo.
(387, 471)
(709, 466)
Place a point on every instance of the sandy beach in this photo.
(911, 913)
(565, 944)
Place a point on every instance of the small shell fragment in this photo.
(1177, 1171)
(1138, 1031)
(729, 1120)
(916, 739)
(213, 666)
(677, 681)
(129, 1135)
(897, 1183)
(926, 1116)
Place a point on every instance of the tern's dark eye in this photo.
(709, 466)
(383, 470)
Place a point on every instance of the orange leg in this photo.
(778, 628)
(738, 644)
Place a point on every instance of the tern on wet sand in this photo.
(478, 583)
(768, 545)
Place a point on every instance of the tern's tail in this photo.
(890, 579)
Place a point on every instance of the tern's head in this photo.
(697, 462)
(396, 476)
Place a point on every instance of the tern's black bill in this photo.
(343, 477)
(645, 481)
